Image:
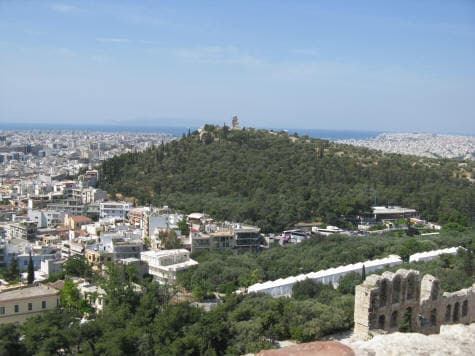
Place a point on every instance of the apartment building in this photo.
(223, 236)
(112, 209)
(22, 230)
(163, 265)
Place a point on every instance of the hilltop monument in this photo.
(235, 123)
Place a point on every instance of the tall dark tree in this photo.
(363, 273)
(13, 272)
(31, 271)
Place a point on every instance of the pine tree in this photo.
(363, 274)
(31, 271)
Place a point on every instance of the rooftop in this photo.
(164, 252)
(80, 218)
(197, 216)
(28, 292)
(323, 348)
(391, 210)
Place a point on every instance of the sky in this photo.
(405, 65)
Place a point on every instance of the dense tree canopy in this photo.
(150, 322)
(274, 180)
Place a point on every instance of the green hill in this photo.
(274, 179)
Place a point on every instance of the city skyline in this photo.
(366, 66)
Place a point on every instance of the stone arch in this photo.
(397, 289)
(464, 308)
(411, 286)
(393, 323)
(433, 317)
(448, 313)
(434, 293)
(383, 293)
(381, 321)
(456, 312)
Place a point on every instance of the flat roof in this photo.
(221, 233)
(391, 210)
(164, 252)
(246, 228)
(197, 216)
(27, 292)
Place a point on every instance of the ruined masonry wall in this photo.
(405, 301)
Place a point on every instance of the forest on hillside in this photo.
(273, 179)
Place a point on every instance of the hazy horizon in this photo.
(138, 126)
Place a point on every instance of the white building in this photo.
(163, 265)
(94, 294)
(112, 209)
(50, 267)
(393, 212)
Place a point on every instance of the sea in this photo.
(180, 130)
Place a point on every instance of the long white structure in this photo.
(283, 286)
(431, 255)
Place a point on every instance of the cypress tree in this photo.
(31, 271)
(13, 271)
(363, 274)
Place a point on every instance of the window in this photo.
(2, 310)
(383, 296)
(396, 289)
(43, 304)
(411, 286)
(456, 312)
(30, 306)
(448, 311)
(17, 308)
(393, 323)
(406, 321)
(433, 317)
(435, 290)
(464, 308)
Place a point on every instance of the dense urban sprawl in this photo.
(54, 153)
(421, 144)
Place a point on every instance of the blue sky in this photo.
(367, 65)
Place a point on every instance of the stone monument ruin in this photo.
(403, 301)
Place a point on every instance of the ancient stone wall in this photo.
(403, 301)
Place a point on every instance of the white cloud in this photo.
(35, 33)
(217, 55)
(113, 40)
(99, 58)
(149, 42)
(63, 8)
(311, 52)
(64, 52)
